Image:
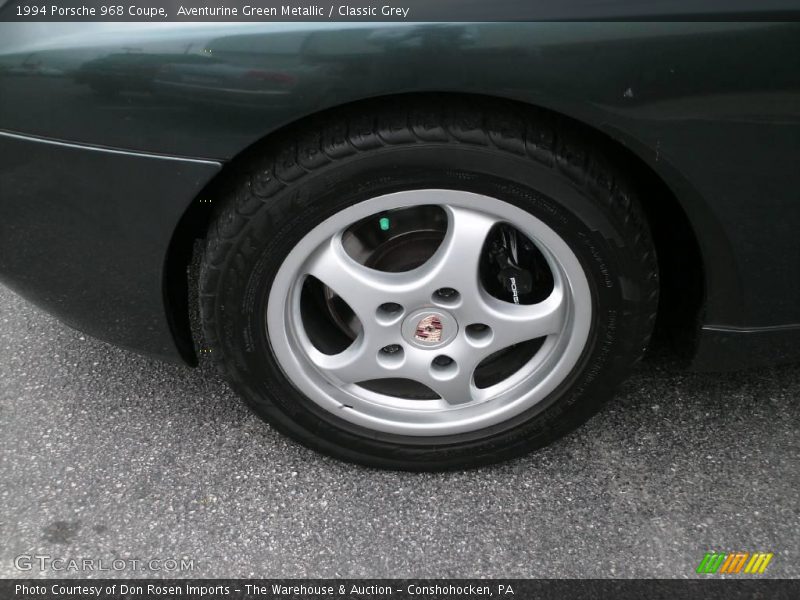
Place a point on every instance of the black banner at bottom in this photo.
(396, 589)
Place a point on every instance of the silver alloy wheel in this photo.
(563, 319)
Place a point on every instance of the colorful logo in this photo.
(429, 330)
(734, 562)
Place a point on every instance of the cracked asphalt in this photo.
(108, 455)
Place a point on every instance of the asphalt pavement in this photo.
(106, 455)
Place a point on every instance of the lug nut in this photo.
(391, 349)
(446, 292)
(442, 361)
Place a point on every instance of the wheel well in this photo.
(679, 257)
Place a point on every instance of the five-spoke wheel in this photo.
(434, 324)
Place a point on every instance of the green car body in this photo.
(707, 113)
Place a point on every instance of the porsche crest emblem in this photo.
(429, 330)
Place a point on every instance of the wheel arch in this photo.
(674, 210)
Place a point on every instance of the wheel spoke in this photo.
(455, 263)
(354, 364)
(365, 289)
(354, 283)
(455, 390)
(453, 383)
(514, 323)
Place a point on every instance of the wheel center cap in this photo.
(429, 328)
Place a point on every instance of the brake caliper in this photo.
(504, 254)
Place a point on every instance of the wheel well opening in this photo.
(181, 269)
(679, 257)
(680, 263)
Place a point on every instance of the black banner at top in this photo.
(156, 11)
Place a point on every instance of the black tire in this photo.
(526, 157)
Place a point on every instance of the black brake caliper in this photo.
(504, 254)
